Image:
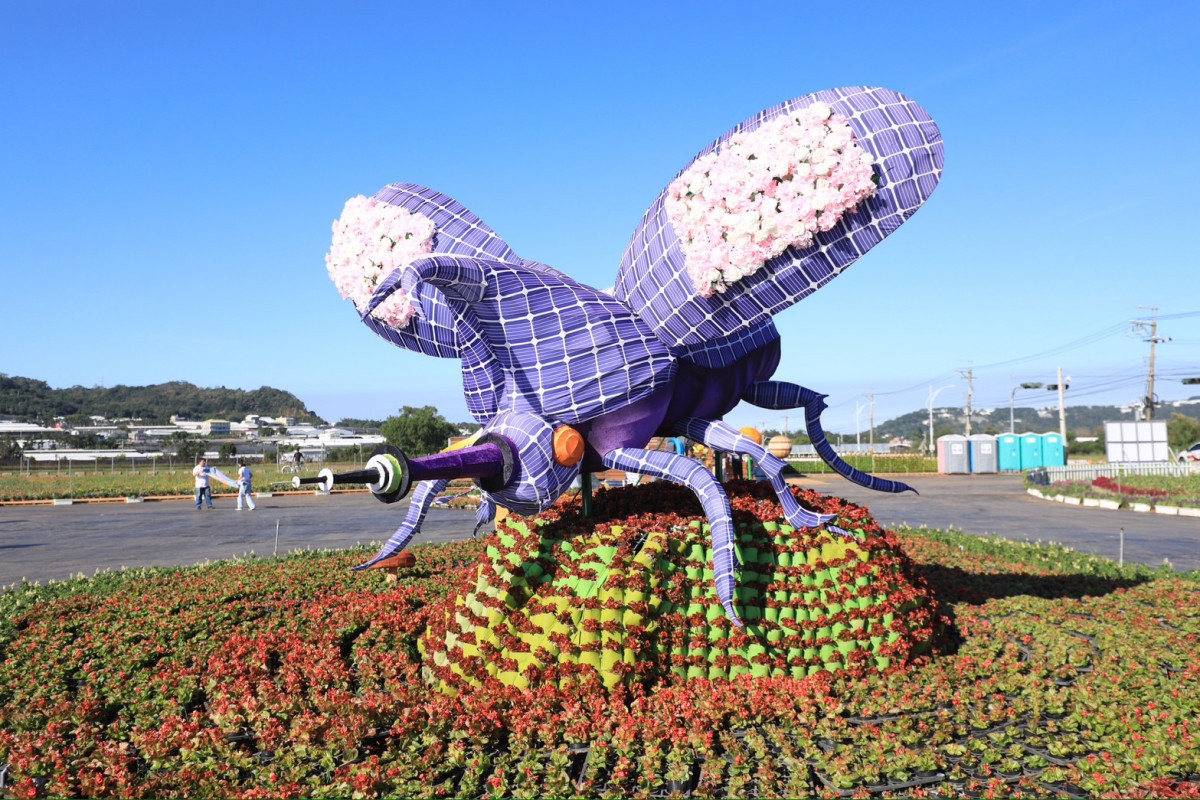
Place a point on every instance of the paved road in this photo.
(41, 543)
(998, 504)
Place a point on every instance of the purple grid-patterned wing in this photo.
(437, 330)
(567, 352)
(715, 331)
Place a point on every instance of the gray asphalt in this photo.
(999, 504)
(41, 543)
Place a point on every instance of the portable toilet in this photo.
(954, 457)
(1031, 451)
(1054, 451)
(1008, 452)
(983, 452)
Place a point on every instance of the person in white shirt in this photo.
(203, 488)
(244, 488)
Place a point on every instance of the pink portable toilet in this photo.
(953, 454)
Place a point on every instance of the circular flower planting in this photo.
(627, 597)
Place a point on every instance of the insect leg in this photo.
(720, 436)
(779, 394)
(692, 474)
(486, 513)
(422, 499)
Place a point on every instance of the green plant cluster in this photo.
(264, 678)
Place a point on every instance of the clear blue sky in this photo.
(169, 172)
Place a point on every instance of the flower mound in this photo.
(370, 240)
(630, 599)
(764, 191)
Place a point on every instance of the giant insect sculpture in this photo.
(567, 379)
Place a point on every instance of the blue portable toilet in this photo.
(954, 457)
(983, 452)
(1054, 451)
(1031, 451)
(1008, 452)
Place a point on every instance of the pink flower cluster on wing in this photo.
(766, 190)
(370, 240)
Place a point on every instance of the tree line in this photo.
(31, 400)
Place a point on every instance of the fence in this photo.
(1089, 472)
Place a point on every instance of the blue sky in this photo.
(169, 172)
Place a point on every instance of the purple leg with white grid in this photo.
(693, 475)
(484, 516)
(426, 492)
(780, 394)
(719, 436)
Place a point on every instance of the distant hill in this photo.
(915, 424)
(30, 400)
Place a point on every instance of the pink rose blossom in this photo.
(370, 241)
(764, 191)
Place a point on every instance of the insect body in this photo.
(680, 342)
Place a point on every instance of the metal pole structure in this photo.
(1012, 401)
(1062, 413)
(586, 493)
(969, 374)
(858, 407)
(933, 396)
(871, 432)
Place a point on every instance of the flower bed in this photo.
(1129, 489)
(1069, 677)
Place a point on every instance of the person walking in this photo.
(245, 490)
(298, 457)
(203, 487)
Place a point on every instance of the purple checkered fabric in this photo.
(715, 331)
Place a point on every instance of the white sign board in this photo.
(1128, 442)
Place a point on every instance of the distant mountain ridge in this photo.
(915, 424)
(31, 400)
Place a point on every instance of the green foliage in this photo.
(189, 449)
(33, 400)
(354, 423)
(1182, 432)
(1078, 448)
(418, 431)
(227, 450)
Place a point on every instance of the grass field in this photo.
(144, 482)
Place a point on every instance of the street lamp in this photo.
(932, 396)
(1012, 399)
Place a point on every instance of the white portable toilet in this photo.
(983, 452)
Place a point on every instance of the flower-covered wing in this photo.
(654, 280)
(424, 324)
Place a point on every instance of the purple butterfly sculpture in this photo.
(542, 353)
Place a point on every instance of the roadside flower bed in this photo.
(299, 678)
(1131, 489)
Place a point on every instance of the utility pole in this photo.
(969, 374)
(1142, 326)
